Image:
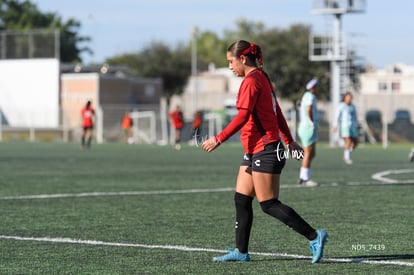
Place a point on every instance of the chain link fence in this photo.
(41, 43)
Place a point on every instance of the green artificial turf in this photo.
(147, 209)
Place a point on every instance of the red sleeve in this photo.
(234, 126)
(283, 126)
(248, 93)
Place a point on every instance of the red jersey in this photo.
(256, 98)
(197, 121)
(126, 122)
(177, 119)
(87, 116)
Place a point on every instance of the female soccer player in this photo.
(87, 114)
(348, 126)
(126, 125)
(260, 120)
(177, 121)
(308, 131)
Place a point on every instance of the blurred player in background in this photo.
(196, 125)
(347, 124)
(177, 121)
(126, 125)
(308, 131)
(87, 116)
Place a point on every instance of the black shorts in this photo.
(87, 128)
(270, 161)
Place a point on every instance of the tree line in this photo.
(285, 58)
(25, 16)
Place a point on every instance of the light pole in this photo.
(333, 48)
(336, 66)
(194, 35)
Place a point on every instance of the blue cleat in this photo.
(234, 255)
(317, 245)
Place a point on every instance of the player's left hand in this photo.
(296, 151)
(210, 144)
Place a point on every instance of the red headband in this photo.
(253, 50)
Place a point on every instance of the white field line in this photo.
(197, 249)
(125, 193)
(190, 191)
(381, 176)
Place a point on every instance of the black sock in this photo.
(89, 142)
(289, 217)
(83, 141)
(244, 221)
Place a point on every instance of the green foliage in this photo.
(159, 60)
(25, 16)
(211, 49)
(287, 62)
(285, 58)
(245, 30)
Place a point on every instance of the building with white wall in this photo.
(29, 92)
(111, 96)
(387, 90)
(209, 90)
(42, 95)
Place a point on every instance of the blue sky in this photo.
(383, 35)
